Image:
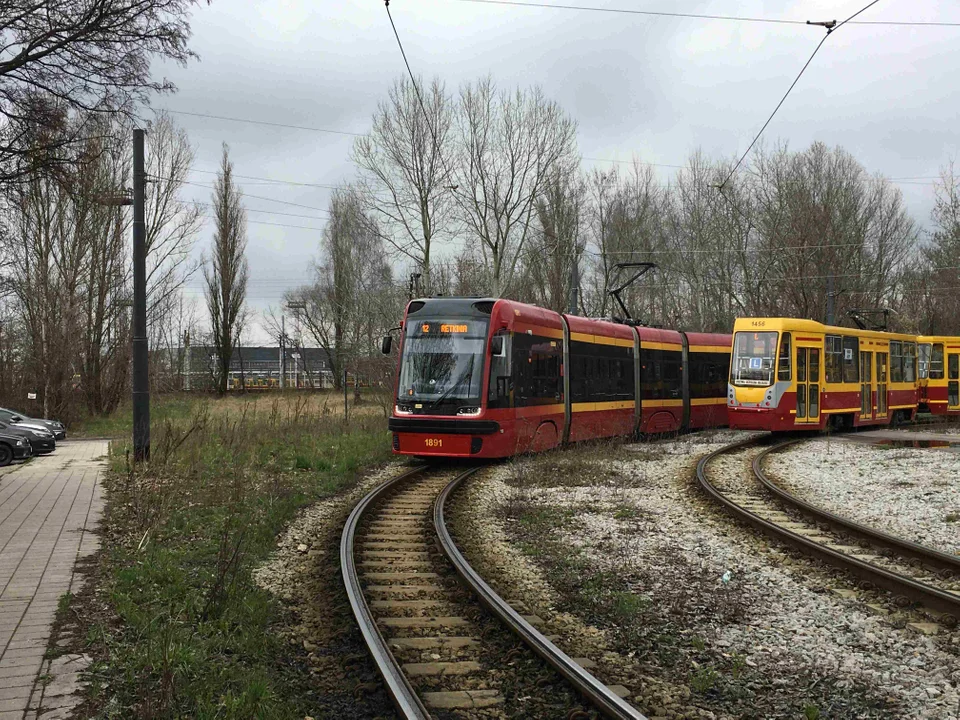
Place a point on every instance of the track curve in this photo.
(409, 702)
(810, 542)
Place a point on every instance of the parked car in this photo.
(41, 440)
(13, 447)
(54, 426)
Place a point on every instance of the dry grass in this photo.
(252, 406)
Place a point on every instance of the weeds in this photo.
(191, 634)
(952, 517)
(703, 679)
(811, 712)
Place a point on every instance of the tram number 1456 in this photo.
(433, 442)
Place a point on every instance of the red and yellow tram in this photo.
(493, 378)
(791, 374)
(939, 371)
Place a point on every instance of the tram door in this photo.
(881, 385)
(808, 385)
(953, 381)
(866, 386)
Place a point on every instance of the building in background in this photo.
(259, 368)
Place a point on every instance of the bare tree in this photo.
(508, 144)
(352, 298)
(932, 296)
(70, 276)
(172, 224)
(557, 243)
(78, 58)
(407, 182)
(225, 272)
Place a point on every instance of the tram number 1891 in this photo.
(433, 442)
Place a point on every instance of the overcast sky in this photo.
(654, 88)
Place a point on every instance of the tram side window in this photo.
(936, 362)
(671, 374)
(896, 361)
(909, 362)
(651, 381)
(708, 374)
(536, 365)
(783, 364)
(851, 359)
(834, 358)
(579, 374)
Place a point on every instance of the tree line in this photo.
(482, 192)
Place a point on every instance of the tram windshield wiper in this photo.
(467, 375)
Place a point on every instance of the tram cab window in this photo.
(909, 362)
(754, 354)
(499, 391)
(834, 358)
(851, 359)
(923, 360)
(783, 364)
(936, 362)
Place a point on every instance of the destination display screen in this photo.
(442, 328)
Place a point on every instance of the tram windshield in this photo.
(754, 358)
(441, 371)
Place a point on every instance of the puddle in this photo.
(915, 443)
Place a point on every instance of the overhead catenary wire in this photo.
(704, 16)
(904, 180)
(260, 197)
(830, 28)
(416, 89)
(261, 122)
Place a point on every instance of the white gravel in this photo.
(793, 627)
(912, 493)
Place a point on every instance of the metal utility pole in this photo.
(346, 416)
(574, 287)
(141, 378)
(283, 354)
(830, 297)
(186, 361)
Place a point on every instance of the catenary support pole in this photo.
(830, 298)
(283, 354)
(141, 378)
(346, 416)
(574, 287)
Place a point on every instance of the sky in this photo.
(650, 88)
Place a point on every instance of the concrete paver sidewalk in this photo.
(47, 509)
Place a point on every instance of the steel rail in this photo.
(608, 702)
(931, 556)
(401, 691)
(931, 597)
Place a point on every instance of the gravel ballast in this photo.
(716, 622)
(911, 493)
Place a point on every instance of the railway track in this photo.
(404, 578)
(913, 573)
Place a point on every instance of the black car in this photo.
(41, 441)
(54, 426)
(13, 447)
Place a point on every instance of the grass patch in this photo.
(181, 407)
(186, 632)
(952, 517)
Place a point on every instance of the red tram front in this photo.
(491, 378)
